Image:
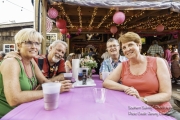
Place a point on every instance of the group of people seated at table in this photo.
(146, 78)
(20, 75)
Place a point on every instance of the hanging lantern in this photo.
(118, 17)
(61, 24)
(63, 31)
(68, 35)
(79, 30)
(52, 13)
(160, 28)
(113, 30)
(175, 36)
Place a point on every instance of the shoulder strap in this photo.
(40, 60)
(40, 63)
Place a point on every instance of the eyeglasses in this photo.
(112, 46)
(30, 43)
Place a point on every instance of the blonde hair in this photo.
(27, 34)
(129, 37)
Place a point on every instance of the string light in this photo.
(105, 17)
(93, 16)
(64, 13)
(79, 14)
(132, 22)
(17, 5)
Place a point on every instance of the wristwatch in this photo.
(145, 100)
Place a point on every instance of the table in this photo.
(79, 104)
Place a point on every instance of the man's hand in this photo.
(66, 85)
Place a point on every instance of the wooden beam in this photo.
(43, 25)
(36, 7)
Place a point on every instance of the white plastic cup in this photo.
(105, 75)
(51, 92)
(99, 95)
(75, 67)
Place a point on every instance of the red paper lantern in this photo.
(118, 17)
(61, 24)
(63, 31)
(160, 28)
(52, 13)
(113, 29)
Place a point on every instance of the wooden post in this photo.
(43, 25)
(36, 16)
(178, 42)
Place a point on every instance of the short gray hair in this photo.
(112, 40)
(54, 43)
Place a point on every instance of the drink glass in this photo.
(51, 95)
(75, 67)
(99, 95)
(67, 76)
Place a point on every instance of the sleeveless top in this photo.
(26, 84)
(146, 84)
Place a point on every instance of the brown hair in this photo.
(130, 36)
(174, 56)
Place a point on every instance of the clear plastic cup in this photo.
(99, 95)
(51, 95)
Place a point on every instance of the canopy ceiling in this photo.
(141, 16)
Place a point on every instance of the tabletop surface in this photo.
(79, 104)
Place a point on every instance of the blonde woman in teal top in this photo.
(20, 76)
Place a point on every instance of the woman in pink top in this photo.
(167, 54)
(146, 78)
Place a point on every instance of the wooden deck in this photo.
(176, 95)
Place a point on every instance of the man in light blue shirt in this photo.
(108, 65)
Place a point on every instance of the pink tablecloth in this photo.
(79, 104)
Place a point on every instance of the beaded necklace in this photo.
(52, 69)
(33, 85)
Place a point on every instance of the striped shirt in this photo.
(153, 49)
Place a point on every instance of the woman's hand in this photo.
(66, 85)
(132, 91)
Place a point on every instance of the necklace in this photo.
(52, 69)
(30, 79)
(25, 69)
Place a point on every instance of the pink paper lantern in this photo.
(63, 31)
(160, 28)
(61, 24)
(113, 29)
(79, 30)
(52, 13)
(68, 36)
(118, 17)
